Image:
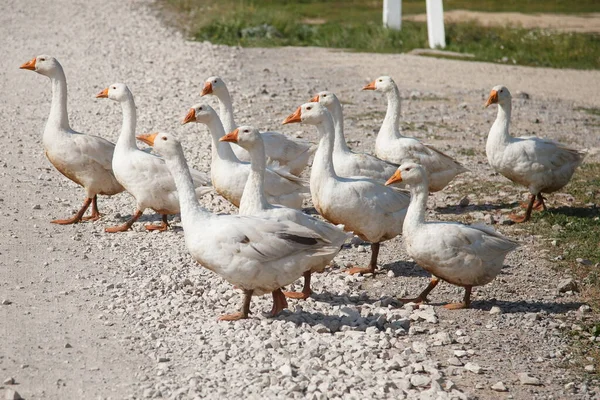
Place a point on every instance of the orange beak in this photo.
(30, 65)
(295, 117)
(207, 89)
(190, 116)
(370, 86)
(103, 94)
(147, 138)
(492, 99)
(230, 137)
(397, 177)
(314, 99)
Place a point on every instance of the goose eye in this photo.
(501, 90)
(408, 169)
(199, 108)
(309, 108)
(381, 80)
(324, 95)
(164, 138)
(42, 59)
(246, 131)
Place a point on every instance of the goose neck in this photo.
(415, 215)
(59, 117)
(254, 198)
(226, 111)
(499, 132)
(323, 161)
(220, 150)
(390, 128)
(127, 137)
(190, 208)
(340, 145)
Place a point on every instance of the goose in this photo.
(257, 255)
(371, 210)
(84, 159)
(345, 161)
(392, 146)
(229, 174)
(254, 202)
(460, 254)
(285, 151)
(541, 165)
(144, 175)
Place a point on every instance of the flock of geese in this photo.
(272, 243)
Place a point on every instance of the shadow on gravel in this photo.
(456, 209)
(405, 268)
(524, 306)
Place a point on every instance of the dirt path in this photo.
(559, 22)
(123, 302)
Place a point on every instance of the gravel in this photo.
(142, 315)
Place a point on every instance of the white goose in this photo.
(254, 202)
(255, 254)
(229, 174)
(345, 161)
(144, 175)
(84, 159)
(391, 146)
(288, 152)
(463, 255)
(541, 165)
(371, 210)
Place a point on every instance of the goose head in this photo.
(246, 136)
(309, 113)
(117, 92)
(201, 113)
(499, 95)
(410, 173)
(44, 64)
(213, 85)
(326, 98)
(164, 144)
(381, 84)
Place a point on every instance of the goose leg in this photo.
(77, 217)
(245, 309)
(422, 298)
(539, 203)
(372, 265)
(527, 216)
(162, 227)
(126, 225)
(95, 213)
(465, 303)
(305, 293)
(279, 302)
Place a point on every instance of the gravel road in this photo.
(90, 315)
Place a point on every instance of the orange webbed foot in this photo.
(160, 228)
(65, 221)
(232, 317)
(518, 218)
(360, 270)
(119, 228)
(456, 306)
(297, 295)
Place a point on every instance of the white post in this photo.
(435, 24)
(392, 14)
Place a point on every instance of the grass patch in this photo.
(577, 231)
(591, 111)
(357, 26)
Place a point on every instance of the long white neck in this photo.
(390, 128)
(220, 150)
(254, 198)
(323, 162)
(340, 145)
(191, 212)
(58, 117)
(226, 111)
(415, 215)
(499, 136)
(127, 137)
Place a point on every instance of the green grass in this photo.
(591, 111)
(576, 229)
(357, 26)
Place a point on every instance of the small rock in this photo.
(320, 328)
(495, 310)
(163, 359)
(472, 367)
(585, 309)
(499, 387)
(12, 395)
(526, 379)
(286, 370)
(37, 207)
(460, 353)
(6, 302)
(420, 380)
(589, 368)
(523, 95)
(568, 285)
(68, 346)
(464, 202)
(9, 381)
(488, 219)
(583, 261)
(455, 361)
(463, 105)
(391, 274)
